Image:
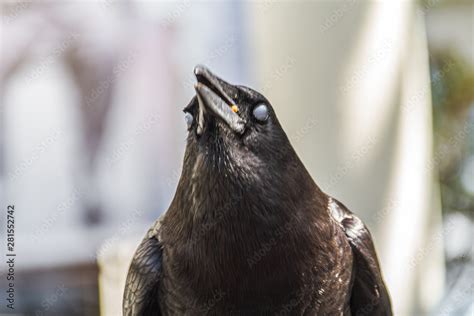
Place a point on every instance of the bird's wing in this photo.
(369, 294)
(141, 288)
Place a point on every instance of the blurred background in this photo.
(376, 96)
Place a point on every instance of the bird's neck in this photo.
(249, 229)
(207, 199)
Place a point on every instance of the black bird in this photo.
(248, 231)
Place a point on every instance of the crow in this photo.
(248, 231)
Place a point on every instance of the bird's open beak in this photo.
(214, 100)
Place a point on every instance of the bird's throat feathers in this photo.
(224, 182)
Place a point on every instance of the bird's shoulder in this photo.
(143, 279)
(369, 293)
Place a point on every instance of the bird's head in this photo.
(233, 130)
(237, 158)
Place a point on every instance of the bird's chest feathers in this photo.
(245, 242)
(241, 260)
(245, 248)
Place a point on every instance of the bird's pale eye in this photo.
(260, 112)
(188, 118)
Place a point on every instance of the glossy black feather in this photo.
(369, 296)
(143, 279)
